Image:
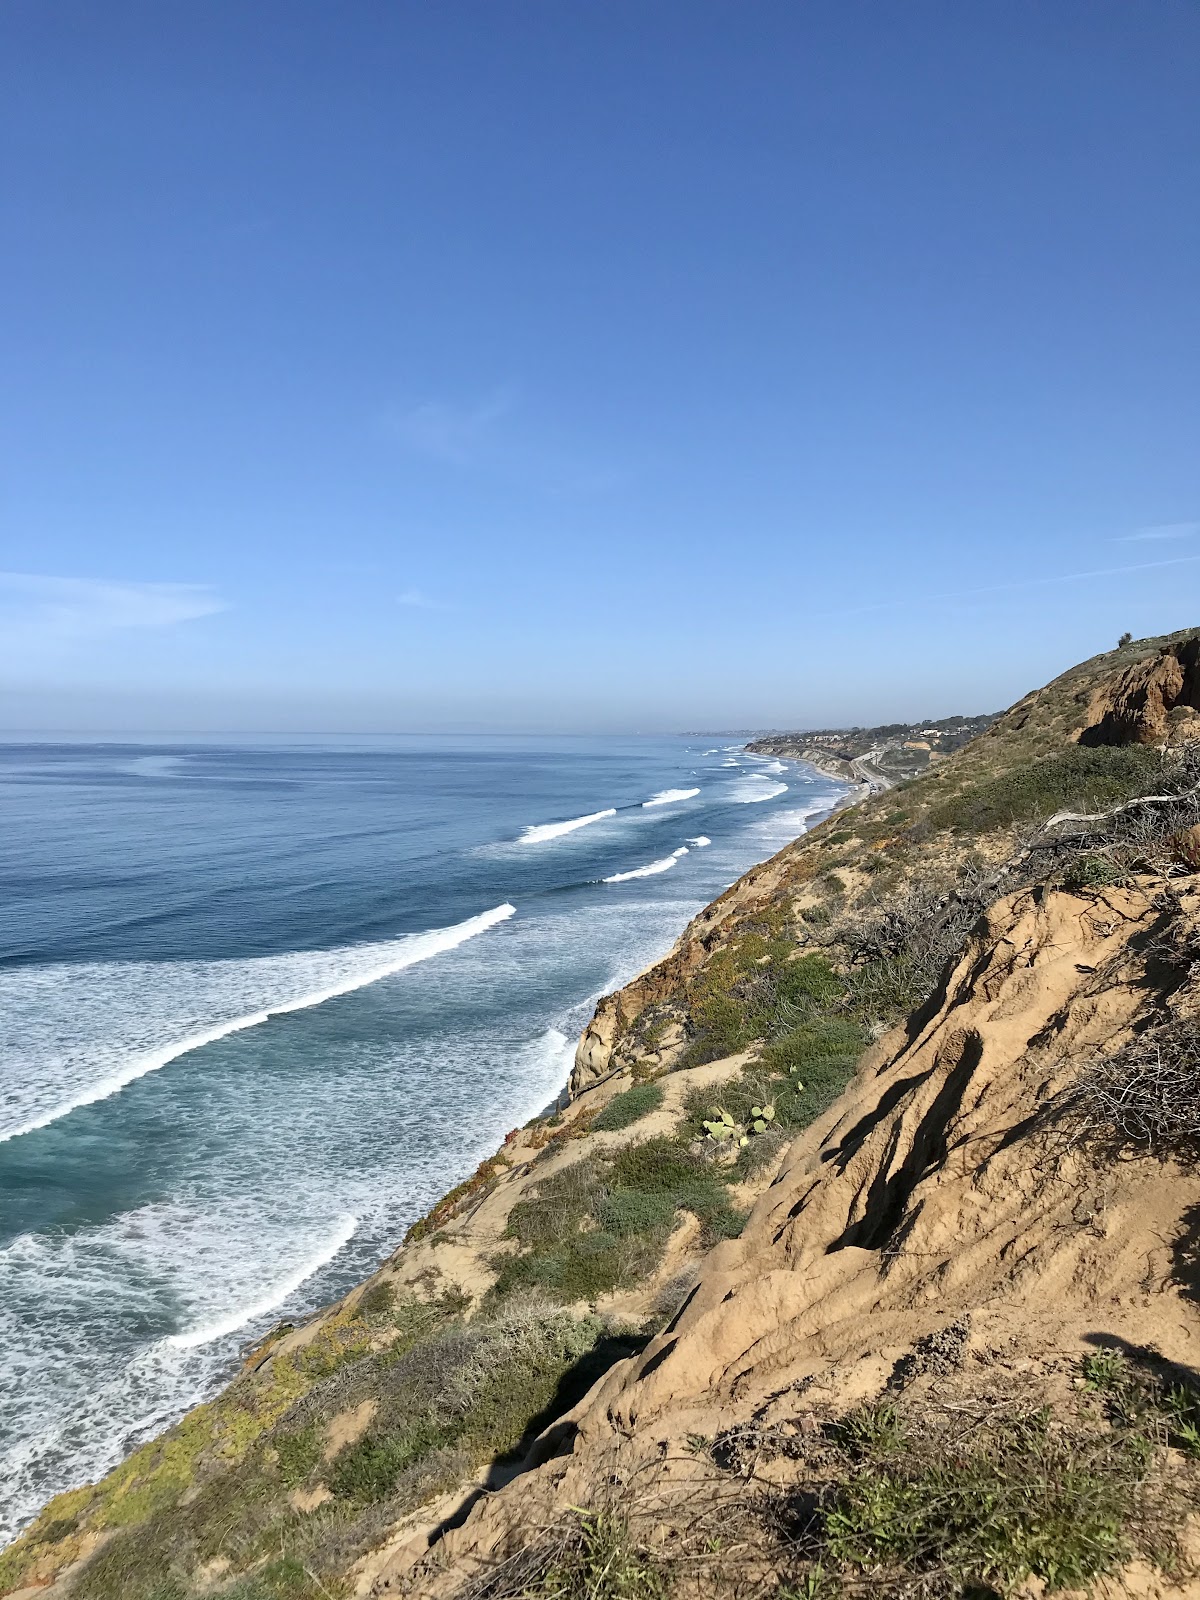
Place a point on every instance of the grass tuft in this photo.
(591, 1556)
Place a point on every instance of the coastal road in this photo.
(865, 769)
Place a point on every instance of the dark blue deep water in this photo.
(260, 1004)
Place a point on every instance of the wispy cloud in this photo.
(1161, 530)
(38, 612)
(419, 600)
(498, 436)
(1007, 588)
(462, 435)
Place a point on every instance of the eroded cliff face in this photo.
(1137, 707)
(943, 1191)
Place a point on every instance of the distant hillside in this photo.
(880, 756)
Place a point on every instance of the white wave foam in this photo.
(731, 763)
(750, 791)
(546, 1066)
(664, 865)
(668, 797)
(85, 1369)
(275, 1296)
(153, 766)
(700, 841)
(538, 832)
(775, 767)
(400, 953)
(790, 824)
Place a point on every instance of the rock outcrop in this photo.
(1137, 707)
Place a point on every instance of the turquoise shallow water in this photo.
(260, 1004)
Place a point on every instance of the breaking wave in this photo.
(749, 791)
(367, 964)
(652, 870)
(274, 1297)
(537, 833)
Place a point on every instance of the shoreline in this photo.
(310, 1312)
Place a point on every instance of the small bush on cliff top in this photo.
(1022, 1500)
(909, 1498)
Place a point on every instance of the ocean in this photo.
(263, 1002)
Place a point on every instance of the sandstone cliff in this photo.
(938, 1223)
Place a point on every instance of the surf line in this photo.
(415, 947)
(654, 867)
(538, 832)
(188, 1340)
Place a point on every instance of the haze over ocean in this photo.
(262, 1003)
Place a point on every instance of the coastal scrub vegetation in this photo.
(1079, 778)
(602, 1223)
(754, 990)
(798, 1077)
(1025, 1493)
(442, 1394)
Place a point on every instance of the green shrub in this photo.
(601, 1224)
(800, 1074)
(298, 1454)
(627, 1212)
(1092, 872)
(806, 1048)
(377, 1301)
(1079, 778)
(1137, 1398)
(284, 1579)
(367, 1471)
(625, 1109)
(560, 1204)
(753, 990)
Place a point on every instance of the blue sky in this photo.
(403, 366)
